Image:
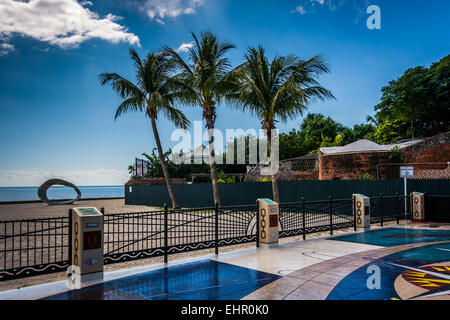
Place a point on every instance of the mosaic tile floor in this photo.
(414, 263)
(396, 236)
(202, 280)
(415, 270)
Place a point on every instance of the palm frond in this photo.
(281, 89)
(122, 86)
(134, 103)
(177, 59)
(176, 116)
(156, 89)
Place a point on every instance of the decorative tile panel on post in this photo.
(418, 206)
(362, 211)
(87, 247)
(268, 218)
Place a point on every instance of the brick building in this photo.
(430, 158)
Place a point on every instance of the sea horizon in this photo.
(29, 193)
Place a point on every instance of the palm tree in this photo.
(207, 74)
(154, 92)
(279, 90)
(373, 120)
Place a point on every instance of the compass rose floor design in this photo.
(412, 271)
(417, 273)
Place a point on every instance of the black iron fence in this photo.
(38, 246)
(437, 208)
(130, 236)
(32, 247)
(301, 218)
(389, 208)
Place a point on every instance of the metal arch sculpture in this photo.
(42, 192)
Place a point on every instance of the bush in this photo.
(395, 155)
(223, 178)
(368, 176)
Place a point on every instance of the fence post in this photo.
(257, 224)
(70, 240)
(303, 218)
(165, 234)
(331, 215)
(381, 208)
(216, 227)
(425, 194)
(398, 208)
(354, 213)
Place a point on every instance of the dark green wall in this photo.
(200, 195)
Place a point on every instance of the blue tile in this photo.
(390, 237)
(202, 280)
(354, 285)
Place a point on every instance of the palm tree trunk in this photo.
(275, 191)
(212, 160)
(163, 165)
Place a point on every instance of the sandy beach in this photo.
(37, 210)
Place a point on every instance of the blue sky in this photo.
(57, 121)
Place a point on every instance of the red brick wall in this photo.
(354, 166)
(350, 166)
(153, 181)
(306, 175)
(432, 154)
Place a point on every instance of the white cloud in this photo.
(64, 23)
(300, 9)
(35, 177)
(332, 5)
(159, 10)
(184, 47)
(6, 48)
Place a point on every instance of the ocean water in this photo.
(60, 192)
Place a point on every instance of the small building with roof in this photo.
(366, 159)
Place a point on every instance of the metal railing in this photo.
(389, 208)
(437, 207)
(38, 246)
(34, 246)
(301, 218)
(130, 236)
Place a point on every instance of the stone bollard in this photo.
(268, 219)
(87, 247)
(418, 206)
(361, 211)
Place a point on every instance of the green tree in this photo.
(154, 93)
(278, 90)
(417, 103)
(359, 131)
(390, 131)
(291, 145)
(318, 131)
(207, 75)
